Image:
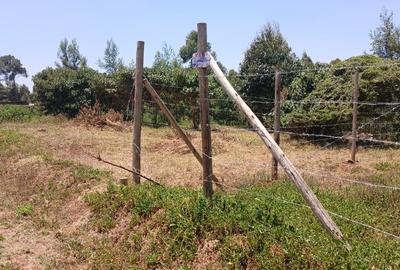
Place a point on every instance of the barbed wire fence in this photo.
(372, 130)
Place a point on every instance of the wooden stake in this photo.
(175, 125)
(123, 181)
(205, 113)
(277, 122)
(137, 111)
(356, 94)
(291, 171)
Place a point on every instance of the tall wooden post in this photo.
(356, 94)
(176, 126)
(137, 111)
(277, 122)
(291, 171)
(205, 113)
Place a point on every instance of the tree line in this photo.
(308, 86)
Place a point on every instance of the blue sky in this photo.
(32, 30)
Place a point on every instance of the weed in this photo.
(2, 238)
(384, 166)
(25, 210)
(82, 172)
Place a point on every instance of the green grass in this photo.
(13, 143)
(252, 228)
(82, 172)
(7, 266)
(17, 113)
(25, 210)
(2, 238)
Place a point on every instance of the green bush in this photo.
(17, 113)
(64, 90)
(325, 98)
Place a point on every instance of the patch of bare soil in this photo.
(38, 201)
(207, 257)
(24, 247)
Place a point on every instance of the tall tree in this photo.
(386, 37)
(69, 55)
(166, 58)
(268, 49)
(111, 61)
(10, 68)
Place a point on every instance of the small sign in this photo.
(200, 60)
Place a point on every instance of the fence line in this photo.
(307, 171)
(261, 100)
(292, 71)
(315, 173)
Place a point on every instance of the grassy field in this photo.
(61, 209)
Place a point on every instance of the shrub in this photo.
(18, 113)
(328, 101)
(64, 90)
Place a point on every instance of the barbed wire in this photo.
(261, 100)
(322, 68)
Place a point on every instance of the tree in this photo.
(3, 93)
(113, 90)
(64, 90)
(25, 95)
(166, 58)
(386, 38)
(190, 47)
(326, 96)
(69, 55)
(268, 50)
(306, 60)
(111, 62)
(19, 93)
(10, 68)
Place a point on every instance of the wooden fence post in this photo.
(277, 121)
(176, 126)
(137, 111)
(205, 113)
(291, 171)
(356, 94)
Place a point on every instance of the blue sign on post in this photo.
(200, 60)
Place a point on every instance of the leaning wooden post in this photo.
(291, 171)
(205, 113)
(137, 111)
(176, 126)
(277, 121)
(356, 94)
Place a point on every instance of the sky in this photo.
(326, 30)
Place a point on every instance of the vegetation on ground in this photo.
(146, 226)
(16, 113)
(249, 228)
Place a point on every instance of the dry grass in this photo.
(239, 157)
(95, 117)
(59, 234)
